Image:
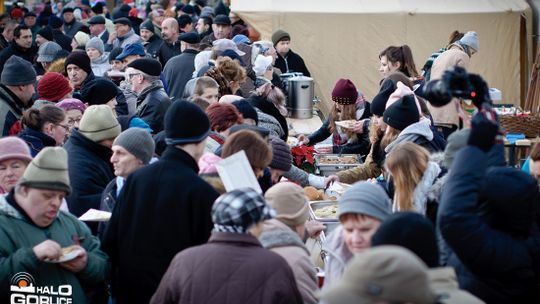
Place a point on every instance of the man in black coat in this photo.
(71, 25)
(21, 46)
(59, 37)
(164, 208)
(97, 29)
(287, 61)
(151, 41)
(170, 46)
(488, 217)
(152, 100)
(179, 69)
(89, 154)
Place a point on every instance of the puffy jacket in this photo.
(491, 263)
(152, 104)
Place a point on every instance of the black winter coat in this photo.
(121, 104)
(11, 111)
(168, 51)
(36, 140)
(90, 171)
(178, 71)
(490, 263)
(292, 62)
(153, 45)
(63, 40)
(163, 209)
(14, 50)
(152, 104)
(269, 108)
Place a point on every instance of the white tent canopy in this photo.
(342, 39)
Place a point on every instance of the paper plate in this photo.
(66, 257)
(346, 124)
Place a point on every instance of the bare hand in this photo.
(314, 228)
(330, 179)
(48, 249)
(303, 139)
(112, 36)
(358, 127)
(78, 263)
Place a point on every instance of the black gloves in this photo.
(484, 130)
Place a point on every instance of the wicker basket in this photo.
(528, 125)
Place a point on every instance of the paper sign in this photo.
(93, 215)
(235, 172)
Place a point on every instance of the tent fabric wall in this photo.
(343, 39)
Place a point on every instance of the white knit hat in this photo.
(261, 64)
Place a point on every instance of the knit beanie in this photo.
(470, 39)
(114, 53)
(344, 92)
(97, 44)
(247, 110)
(98, 8)
(98, 123)
(81, 38)
(80, 59)
(455, 142)
(378, 104)
(48, 170)
(147, 25)
(279, 35)
(12, 147)
(53, 87)
(290, 203)
(46, 33)
(98, 91)
(367, 199)
(412, 231)
(47, 51)
(222, 116)
(402, 113)
(185, 123)
(71, 104)
(402, 90)
(281, 155)
(138, 142)
(261, 64)
(55, 22)
(17, 71)
(149, 66)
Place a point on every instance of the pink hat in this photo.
(402, 90)
(207, 163)
(14, 147)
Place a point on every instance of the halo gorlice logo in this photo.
(24, 291)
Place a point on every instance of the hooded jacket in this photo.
(100, 65)
(282, 240)
(18, 236)
(419, 133)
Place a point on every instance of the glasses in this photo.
(72, 122)
(129, 76)
(64, 126)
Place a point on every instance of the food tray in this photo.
(316, 205)
(330, 169)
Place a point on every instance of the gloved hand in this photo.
(484, 130)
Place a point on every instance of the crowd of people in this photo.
(130, 112)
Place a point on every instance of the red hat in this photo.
(53, 87)
(133, 13)
(16, 13)
(344, 92)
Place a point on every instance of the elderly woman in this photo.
(14, 157)
(74, 109)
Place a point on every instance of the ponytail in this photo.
(408, 66)
(35, 119)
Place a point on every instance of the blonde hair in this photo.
(348, 113)
(406, 163)
(389, 136)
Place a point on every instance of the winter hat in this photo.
(123, 20)
(47, 51)
(138, 142)
(344, 92)
(402, 113)
(261, 64)
(241, 39)
(455, 142)
(233, 55)
(238, 210)
(97, 20)
(188, 9)
(185, 123)
(55, 22)
(46, 33)
(16, 13)
(222, 19)
(222, 116)
(132, 49)
(81, 38)
(207, 163)
(191, 38)
(207, 11)
(68, 10)
(79, 59)
(114, 53)
(98, 91)
(71, 104)
(98, 123)
(365, 198)
(17, 71)
(246, 109)
(290, 203)
(147, 25)
(97, 44)
(378, 104)
(412, 231)
(53, 86)
(470, 39)
(98, 8)
(221, 45)
(264, 133)
(402, 90)
(12, 147)
(281, 155)
(279, 35)
(148, 66)
(48, 170)
(389, 274)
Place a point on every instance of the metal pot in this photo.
(301, 93)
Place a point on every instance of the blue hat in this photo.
(131, 49)
(241, 39)
(55, 22)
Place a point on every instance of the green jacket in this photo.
(17, 238)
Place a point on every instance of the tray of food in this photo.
(329, 164)
(324, 211)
